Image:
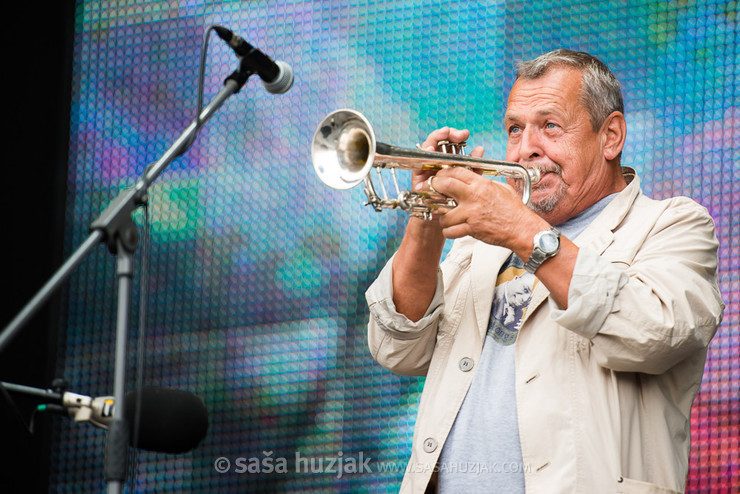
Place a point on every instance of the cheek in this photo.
(559, 150)
(582, 167)
(578, 176)
(568, 157)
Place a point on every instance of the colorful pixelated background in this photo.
(257, 271)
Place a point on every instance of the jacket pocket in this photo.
(630, 486)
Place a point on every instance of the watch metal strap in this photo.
(539, 256)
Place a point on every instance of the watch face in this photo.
(549, 243)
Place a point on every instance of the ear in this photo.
(613, 134)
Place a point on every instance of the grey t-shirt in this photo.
(483, 452)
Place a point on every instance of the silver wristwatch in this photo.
(546, 245)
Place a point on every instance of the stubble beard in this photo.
(548, 203)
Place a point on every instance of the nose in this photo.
(530, 144)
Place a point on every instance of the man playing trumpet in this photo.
(562, 343)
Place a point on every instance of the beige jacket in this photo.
(604, 389)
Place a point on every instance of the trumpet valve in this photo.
(452, 147)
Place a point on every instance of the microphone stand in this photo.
(116, 228)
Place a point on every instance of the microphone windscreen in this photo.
(171, 420)
(282, 81)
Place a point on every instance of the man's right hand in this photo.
(417, 260)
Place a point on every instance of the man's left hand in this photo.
(488, 210)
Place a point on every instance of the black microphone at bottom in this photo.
(170, 420)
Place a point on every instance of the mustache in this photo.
(542, 168)
(546, 168)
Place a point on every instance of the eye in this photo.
(551, 125)
(514, 129)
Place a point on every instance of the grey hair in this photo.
(600, 93)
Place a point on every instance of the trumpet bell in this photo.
(343, 149)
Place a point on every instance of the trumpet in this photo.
(344, 152)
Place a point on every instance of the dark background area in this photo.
(38, 42)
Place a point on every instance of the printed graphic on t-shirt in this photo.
(510, 301)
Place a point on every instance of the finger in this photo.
(478, 151)
(442, 210)
(430, 185)
(456, 231)
(453, 223)
(434, 137)
(458, 135)
(419, 180)
(460, 173)
(445, 134)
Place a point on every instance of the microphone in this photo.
(170, 420)
(277, 77)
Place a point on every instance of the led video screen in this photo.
(256, 271)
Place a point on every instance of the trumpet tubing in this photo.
(344, 152)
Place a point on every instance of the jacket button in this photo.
(466, 364)
(430, 444)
